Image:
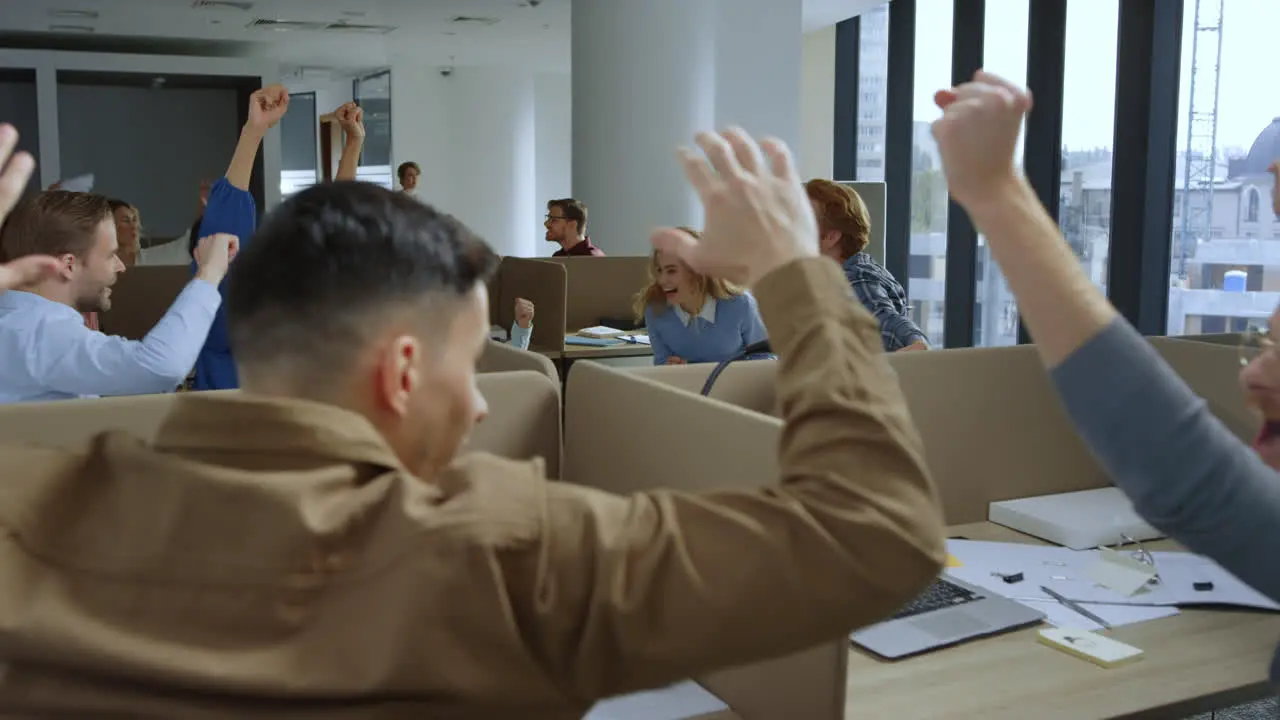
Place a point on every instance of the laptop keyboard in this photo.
(941, 594)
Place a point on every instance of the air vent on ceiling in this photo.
(74, 14)
(285, 25)
(357, 28)
(222, 5)
(468, 20)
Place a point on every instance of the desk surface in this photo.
(587, 352)
(1198, 661)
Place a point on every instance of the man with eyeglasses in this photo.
(566, 224)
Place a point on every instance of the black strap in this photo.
(758, 348)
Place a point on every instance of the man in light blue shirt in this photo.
(47, 353)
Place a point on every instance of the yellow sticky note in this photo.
(953, 561)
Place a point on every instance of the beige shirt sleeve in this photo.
(632, 592)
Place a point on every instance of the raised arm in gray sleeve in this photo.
(1186, 473)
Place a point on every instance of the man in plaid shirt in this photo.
(845, 227)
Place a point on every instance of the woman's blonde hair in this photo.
(652, 295)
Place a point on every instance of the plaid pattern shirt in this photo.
(884, 297)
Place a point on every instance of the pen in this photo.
(1076, 607)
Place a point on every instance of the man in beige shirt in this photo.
(313, 547)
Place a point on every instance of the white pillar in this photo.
(493, 156)
(759, 51)
(473, 133)
(643, 83)
(555, 143)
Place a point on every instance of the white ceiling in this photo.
(530, 36)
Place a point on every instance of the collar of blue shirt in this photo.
(707, 313)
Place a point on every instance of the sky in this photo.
(1248, 100)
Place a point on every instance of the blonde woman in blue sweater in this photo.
(694, 318)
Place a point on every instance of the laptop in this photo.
(949, 612)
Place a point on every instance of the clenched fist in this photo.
(267, 106)
(524, 313)
(214, 255)
(351, 118)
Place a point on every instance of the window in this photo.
(1005, 53)
(1220, 173)
(298, 156)
(1088, 130)
(373, 94)
(18, 107)
(873, 71)
(928, 186)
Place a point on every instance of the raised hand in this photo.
(524, 313)
(214, 255)
(758, 217)
(26, 270)
(15, 171)
(351, 118)
(977, 135)
(267, 106)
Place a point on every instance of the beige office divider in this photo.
(992, 425)
(638, 434)
(141, 297)
(501, 357)
(601, 288)
(494, 288)
(542, 283)
(1212, 370)
(873, 196)
(523, 422)
(747, 384)
(993, 428)
(1228, 339)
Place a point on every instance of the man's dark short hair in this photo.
(572, 209)
(404, 166)
(330, 261)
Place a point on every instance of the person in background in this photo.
(522, 328)
(128, 232)
(1260, 377)
(1186, 473)
(566, 225)
(408, 174)
(231, 209)
(844, 228)
(15, 172)
(47, 353)
(695, 318)
(320, 540)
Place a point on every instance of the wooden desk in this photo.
(1195, 662)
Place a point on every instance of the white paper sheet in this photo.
(1059, 568)
(1179, 572)
(677, 702)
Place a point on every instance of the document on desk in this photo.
(635, 339)
(1192, 579)
(677, 702)
(1064, 570)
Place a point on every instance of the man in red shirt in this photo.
(566, 224)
